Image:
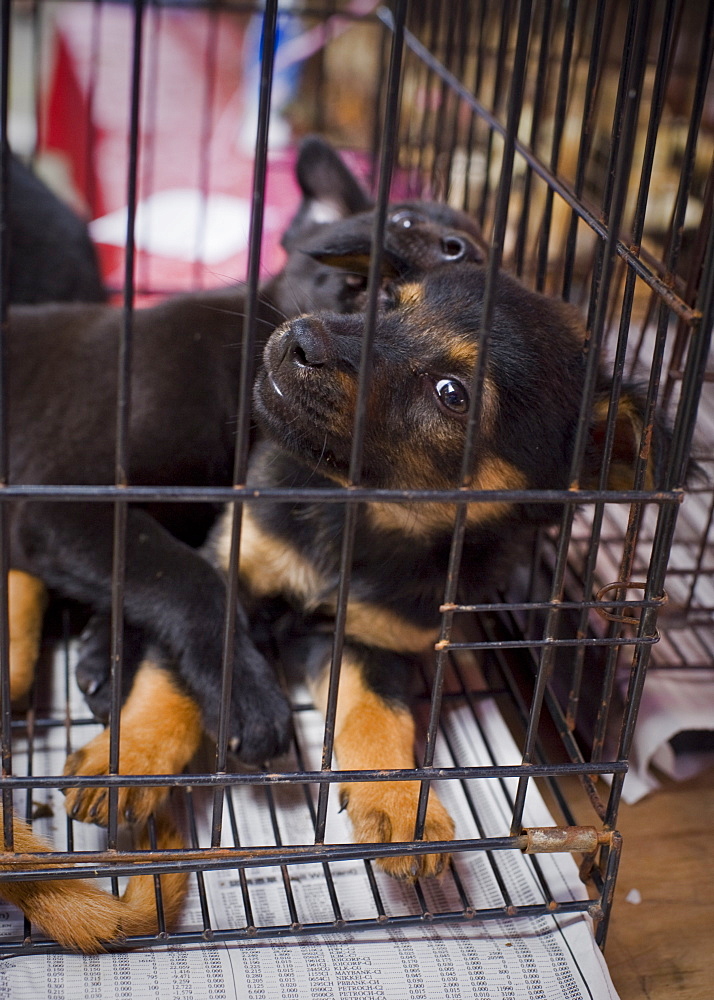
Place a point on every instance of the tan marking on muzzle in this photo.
(410, 294)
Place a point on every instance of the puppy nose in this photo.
(454, 248)
(309, 343)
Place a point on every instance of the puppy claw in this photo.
(91, 805)
(160, 732)
(386, 813)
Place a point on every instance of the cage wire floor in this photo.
(341, 928)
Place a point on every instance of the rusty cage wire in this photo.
(580, 136)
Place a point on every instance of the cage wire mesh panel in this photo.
(580, 137)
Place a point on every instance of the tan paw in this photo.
(160, 729)
(91, 805)
(385, 812)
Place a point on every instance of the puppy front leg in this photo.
(174, 597)
(93, 668)
(376, 731)
(160, 730)
(27, 599)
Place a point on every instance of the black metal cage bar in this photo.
(580, 137)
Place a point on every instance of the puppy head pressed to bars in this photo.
(426, 347)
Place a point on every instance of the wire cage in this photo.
(580, 137)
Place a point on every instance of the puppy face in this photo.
(329, 240)
(427, 342)
(328, 268)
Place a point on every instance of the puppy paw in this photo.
(77, 914)
(160, 730)
(261, 725)
(135, 805)
(83, 917)
(263, 732)
(385, 812)
(92, 671)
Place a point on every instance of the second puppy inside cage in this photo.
(171, 594)
(425, 390)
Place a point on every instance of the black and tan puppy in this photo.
(425, 351)
(426, 346)
(185, 379)
(184, 389)
(52, 260)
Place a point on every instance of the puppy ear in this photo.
(629, 442)
(352, 253)
(330, 190)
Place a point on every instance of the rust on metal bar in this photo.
(624, 585)
(555, 839)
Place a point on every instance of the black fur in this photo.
(534, 382)
(185, 380)
(52, 257)
(426, 344)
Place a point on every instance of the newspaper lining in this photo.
(542, 958)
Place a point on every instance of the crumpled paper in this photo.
(674, 732)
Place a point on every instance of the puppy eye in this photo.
(452, 395)
(405, 218)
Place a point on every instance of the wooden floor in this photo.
(663, 947)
